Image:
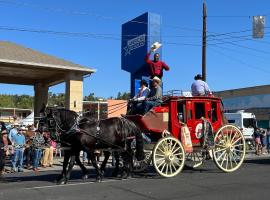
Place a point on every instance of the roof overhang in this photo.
(29, 73)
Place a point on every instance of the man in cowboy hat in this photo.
(155, 66)
(136, 102)
(199, 87)
(155, 96)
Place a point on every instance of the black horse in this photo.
(87, 134)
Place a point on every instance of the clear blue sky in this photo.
(231, 63)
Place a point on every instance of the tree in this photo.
(124, 96)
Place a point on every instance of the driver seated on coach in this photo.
(154, 98)
(136, 101)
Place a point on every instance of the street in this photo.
(251, 181)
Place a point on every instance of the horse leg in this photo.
(83, 168)
(94, 163)
(117, 162)
(127, 162)
(70, 166)
(106, 158)
(62, 177)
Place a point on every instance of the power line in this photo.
(78, 34)
(241, 46)
(240, 61)
(234, 50)
(98, 16)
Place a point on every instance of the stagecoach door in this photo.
(195, 111)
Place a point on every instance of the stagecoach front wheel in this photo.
(229, 148)
(168, 157)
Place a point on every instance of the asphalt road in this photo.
(251, 181)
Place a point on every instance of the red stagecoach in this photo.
(186, 130)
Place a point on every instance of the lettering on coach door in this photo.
(134, 43)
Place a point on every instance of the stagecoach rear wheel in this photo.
(229, 148)
(168, 156)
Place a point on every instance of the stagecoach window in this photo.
(199, 110)
(214, 112)
(181, 111)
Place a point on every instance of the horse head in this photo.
(58, 121)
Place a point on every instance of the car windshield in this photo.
(249, 122)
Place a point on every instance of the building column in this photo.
(41, 97)
(74, 92)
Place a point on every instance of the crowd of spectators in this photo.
(262, 141)
(27, 148)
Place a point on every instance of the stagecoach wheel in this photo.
(140, 166)
(194, 159)
(229, 148)
(168, 157)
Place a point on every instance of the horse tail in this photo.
(139, 139)
(139, 145)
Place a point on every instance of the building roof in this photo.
(16, 54)
(18, 62)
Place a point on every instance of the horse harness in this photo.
(75, 129)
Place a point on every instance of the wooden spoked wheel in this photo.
(168, 157)
(229, 148)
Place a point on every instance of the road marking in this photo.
(73, 184)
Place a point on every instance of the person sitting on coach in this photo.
(136, 102)
(199, 87)
(156, 66)
(154, 98)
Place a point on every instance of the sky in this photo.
(234, 58)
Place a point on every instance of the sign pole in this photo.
(204, 43)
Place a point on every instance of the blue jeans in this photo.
(17, 159)
(147, 105)
(268, 142)
(36, 157)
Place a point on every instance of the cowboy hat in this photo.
(156, 79)
(16, 124)
(198, 77)
(155, 46)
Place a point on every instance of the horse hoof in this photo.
(125, 175)
(85, 177)
(61, 182)
(99, 179)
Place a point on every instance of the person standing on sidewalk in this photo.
(19, 144)
(268, 139)
(257, 139)
(3, 149)
(37, 147)
(47, 159)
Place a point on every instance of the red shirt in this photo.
(156, 68)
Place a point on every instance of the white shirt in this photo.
(142, 94)
(200, 88)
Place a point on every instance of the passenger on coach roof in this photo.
(155, 66)
(199, 87)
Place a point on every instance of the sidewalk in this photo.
(58, 162)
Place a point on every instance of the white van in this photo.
(243, 120)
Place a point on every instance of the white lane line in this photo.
(72, 184)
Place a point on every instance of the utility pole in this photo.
(204, 43)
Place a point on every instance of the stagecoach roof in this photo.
(18, 62)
